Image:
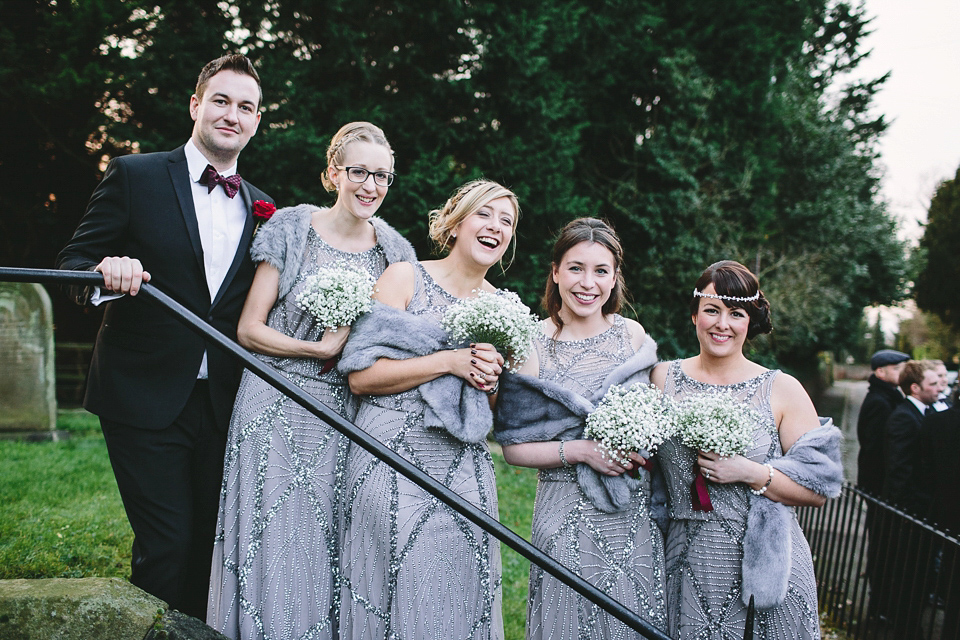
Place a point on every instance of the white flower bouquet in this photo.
(500, 319)
(632, 419)
(337, 295)
(713, 422)
(716, 422)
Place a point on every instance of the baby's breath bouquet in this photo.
(716, 422)
(635, 418)
(713, 422)
(500, 319)
(336, 295)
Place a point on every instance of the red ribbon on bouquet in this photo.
(329, 363)
(699, 495)
(647, 464)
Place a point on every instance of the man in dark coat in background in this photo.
(882, 398)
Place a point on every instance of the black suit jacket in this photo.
(880, 401)
(939, 444)
(145, 361)
(903, 480)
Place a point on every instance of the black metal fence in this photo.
(881, 573)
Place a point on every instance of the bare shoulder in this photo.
(793, 409)
(637, 333)
(788, 389)
(658, 377)
(531, 365)
(395, 286)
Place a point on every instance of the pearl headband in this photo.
(701, 294)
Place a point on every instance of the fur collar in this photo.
(813, 462)
(282, 240)
(451, 403)
(534, 410)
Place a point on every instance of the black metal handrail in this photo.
(357, 435)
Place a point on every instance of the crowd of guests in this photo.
(908, 428)
(254, 515)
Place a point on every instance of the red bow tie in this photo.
(210, 178)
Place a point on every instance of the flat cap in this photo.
(887, 356)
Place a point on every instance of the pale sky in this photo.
(918, 42)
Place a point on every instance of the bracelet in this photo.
(762, 490)
(495, 388)
(563, 458)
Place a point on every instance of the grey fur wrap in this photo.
(533, 410)
(282, 239)
(451, 403)
(813, 462)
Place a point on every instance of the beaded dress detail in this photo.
(276, 553)
(620, 553)
(412, 567)
(704, 550)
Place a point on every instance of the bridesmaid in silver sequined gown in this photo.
(704, 549)
(276, 551)
(621, 553)
(413, 568)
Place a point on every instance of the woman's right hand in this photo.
(479, 364)
(331, 344)
(594, 454)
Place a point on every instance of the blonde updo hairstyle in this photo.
(467, 200)
(349, 133)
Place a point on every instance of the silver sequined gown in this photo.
(413, 569)
(619, 553)
(276, 552)
(704, 549)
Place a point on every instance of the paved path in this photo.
(842, 403)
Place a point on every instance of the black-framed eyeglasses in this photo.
(359, 175)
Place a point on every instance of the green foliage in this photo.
(700, 132)
(938, 283)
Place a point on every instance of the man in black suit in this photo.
(903, 478)
(183, 222)
(939, 443)
(904, 486)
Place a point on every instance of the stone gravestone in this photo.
(28, 404)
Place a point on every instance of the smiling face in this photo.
(585, 277)
(485, 234)
(361, 199)
(226, 117)
(721, 330)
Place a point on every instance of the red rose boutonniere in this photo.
(262, 211)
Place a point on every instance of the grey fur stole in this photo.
(451, 403)
(534, 410)
(812, 462)
(283, 238)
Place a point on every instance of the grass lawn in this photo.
(64, 519)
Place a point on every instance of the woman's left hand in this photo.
(721, 470)
(486, 366)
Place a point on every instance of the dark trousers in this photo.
(169, 480)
